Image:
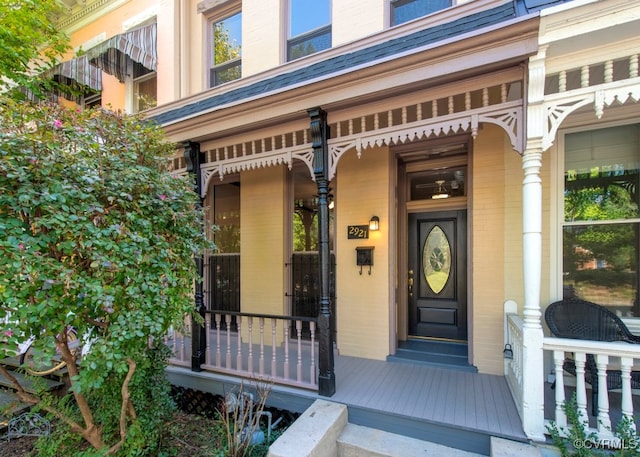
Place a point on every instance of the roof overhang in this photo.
(464, 56)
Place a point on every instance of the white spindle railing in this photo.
(513, 366)
(608, 356)
(233, 344)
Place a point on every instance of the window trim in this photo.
(214, 15)
(557, 202)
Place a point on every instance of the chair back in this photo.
(583, 320)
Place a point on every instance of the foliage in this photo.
(29, 42)
(240, 418)
(578, 441)
(98, 236)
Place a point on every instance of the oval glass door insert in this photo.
(436, 259)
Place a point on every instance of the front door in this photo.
(437, 280)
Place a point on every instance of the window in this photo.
(224, 264)
(406, 10)
(145, 93)
(305, 265)
(226, 52)
(309, 27)
(601, 223)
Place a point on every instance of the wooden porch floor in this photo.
(451, 407)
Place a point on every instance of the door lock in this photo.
(410, 283)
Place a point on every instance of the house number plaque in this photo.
(357, 232)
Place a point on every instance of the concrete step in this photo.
(506, 448)
(359, 441)
(10, 407)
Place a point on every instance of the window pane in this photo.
(307, 15)
(600, 265)
(226, 210)
(601, 174)
(406, 10)
(310, 43)
(146, 93)
(227, 39)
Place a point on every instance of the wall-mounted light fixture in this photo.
(374, 223)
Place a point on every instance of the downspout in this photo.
(194, 159)
(319, 135)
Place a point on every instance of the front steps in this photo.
(439, 353)
(10, 406)
(323, 430)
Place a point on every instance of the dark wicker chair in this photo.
(583, 320)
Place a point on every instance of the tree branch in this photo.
(126, 408)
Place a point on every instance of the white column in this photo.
(532, 335)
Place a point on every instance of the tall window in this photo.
(309, 27)
(601, 228)
(226, 50)
(406, 10)
(305, 264)
(224, 265)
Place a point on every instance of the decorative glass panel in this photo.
(436, 259)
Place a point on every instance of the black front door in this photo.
(437, 280)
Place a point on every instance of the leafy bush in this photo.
(97, 236)
(578, 441)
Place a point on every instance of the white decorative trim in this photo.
(558, 106)
(508, 116)
(266, 159)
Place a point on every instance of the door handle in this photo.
(410, 283)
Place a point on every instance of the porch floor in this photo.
(446, 406)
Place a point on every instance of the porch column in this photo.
(194, 159)
(319, 134)
(532, 335)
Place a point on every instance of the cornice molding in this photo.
(83, 12)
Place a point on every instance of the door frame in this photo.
(403, 209)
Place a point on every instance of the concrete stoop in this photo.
(323, 430)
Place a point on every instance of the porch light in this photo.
(374, 223)
(441, 191)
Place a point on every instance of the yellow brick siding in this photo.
(262, 250)
(363, 300)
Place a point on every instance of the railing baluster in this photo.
(250, 356)
(604, 421)
(274, 368)
(183, 347)
(239, 342)
(227, 321)
(581, 389)
(558, 362)
(261, 320)
(285, 365)
(218, 323)
(207, 323)
(627, 403)
(299, 339)
(312, 369)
